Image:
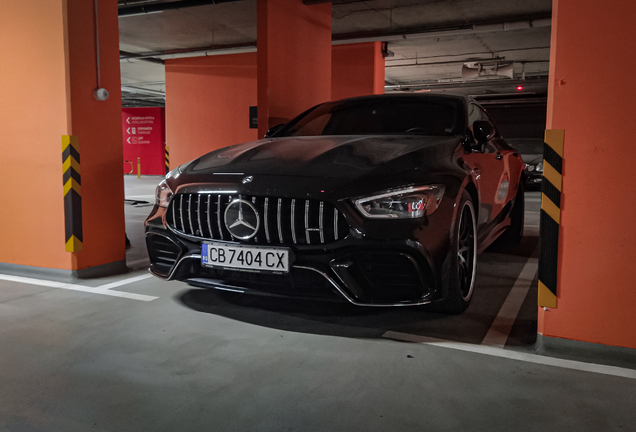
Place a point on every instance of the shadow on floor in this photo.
(497, 274)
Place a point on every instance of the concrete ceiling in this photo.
(429, 41)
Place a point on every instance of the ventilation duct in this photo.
(476, 70)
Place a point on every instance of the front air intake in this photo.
(163, 253)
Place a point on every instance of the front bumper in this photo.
(534, 179)
(359, 269)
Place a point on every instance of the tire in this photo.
(460, 281)
(514, 233)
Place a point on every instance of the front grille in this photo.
(282, 220)
(163, 253)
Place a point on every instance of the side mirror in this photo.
(274, 129)
(471, 145)
(483, 131)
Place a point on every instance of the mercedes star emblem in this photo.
(242, 219)
(248, 179)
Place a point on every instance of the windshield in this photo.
(389, 116)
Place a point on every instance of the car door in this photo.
(491, 175)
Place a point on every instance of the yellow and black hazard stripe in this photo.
(550, 218)
(72, 180)
(167, 150)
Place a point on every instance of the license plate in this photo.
(246, 258)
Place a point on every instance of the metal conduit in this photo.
(160, 7)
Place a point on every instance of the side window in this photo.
(474, 114)
(490, 147)
(477, 113)
(483, 115)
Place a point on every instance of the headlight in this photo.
(539, 167)
(406, 203)
(529, 167)
(163, 194)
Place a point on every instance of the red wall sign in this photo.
(144, 137)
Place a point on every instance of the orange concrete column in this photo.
(47, 77)
(357, 70)
(294, 59)
(207, 104)
(593, 48)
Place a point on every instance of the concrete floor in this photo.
(179, 358)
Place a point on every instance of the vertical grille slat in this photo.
(266, 221)
(293, 220)
(254, 202)
(181, 214)
(335, 223)
(218, 216)
(197, 215)
(229, 200)
(190, 213)
(174, 213)
(209, 217)
(321, 226)
(279, 220)
(307, 236)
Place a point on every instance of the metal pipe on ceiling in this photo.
(338, 39)
(458, 83)
(454, 62)
(456, 31)
(190, 52)
(130, 57)
(160, 7)
(138, 91)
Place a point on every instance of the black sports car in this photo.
(378, 201)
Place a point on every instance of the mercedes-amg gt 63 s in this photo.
(377, 201)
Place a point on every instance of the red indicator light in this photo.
(519, 88)
(322, 191)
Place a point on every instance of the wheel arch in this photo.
(474, 195)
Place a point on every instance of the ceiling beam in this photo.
(160, 7)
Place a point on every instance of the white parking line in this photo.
(501, 326)
(74, 287)
(514, 355)
(125, 281)
(134, 197)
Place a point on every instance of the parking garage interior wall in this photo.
(207, 104)
(596, 298)
(357, 70)
(47, 78)
(294, 59)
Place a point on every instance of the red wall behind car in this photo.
(207, 104)
(357, 70)
(144, 136)
(592, 46)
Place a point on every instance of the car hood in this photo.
(336, 164)
(532, 159)
(331, 156)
